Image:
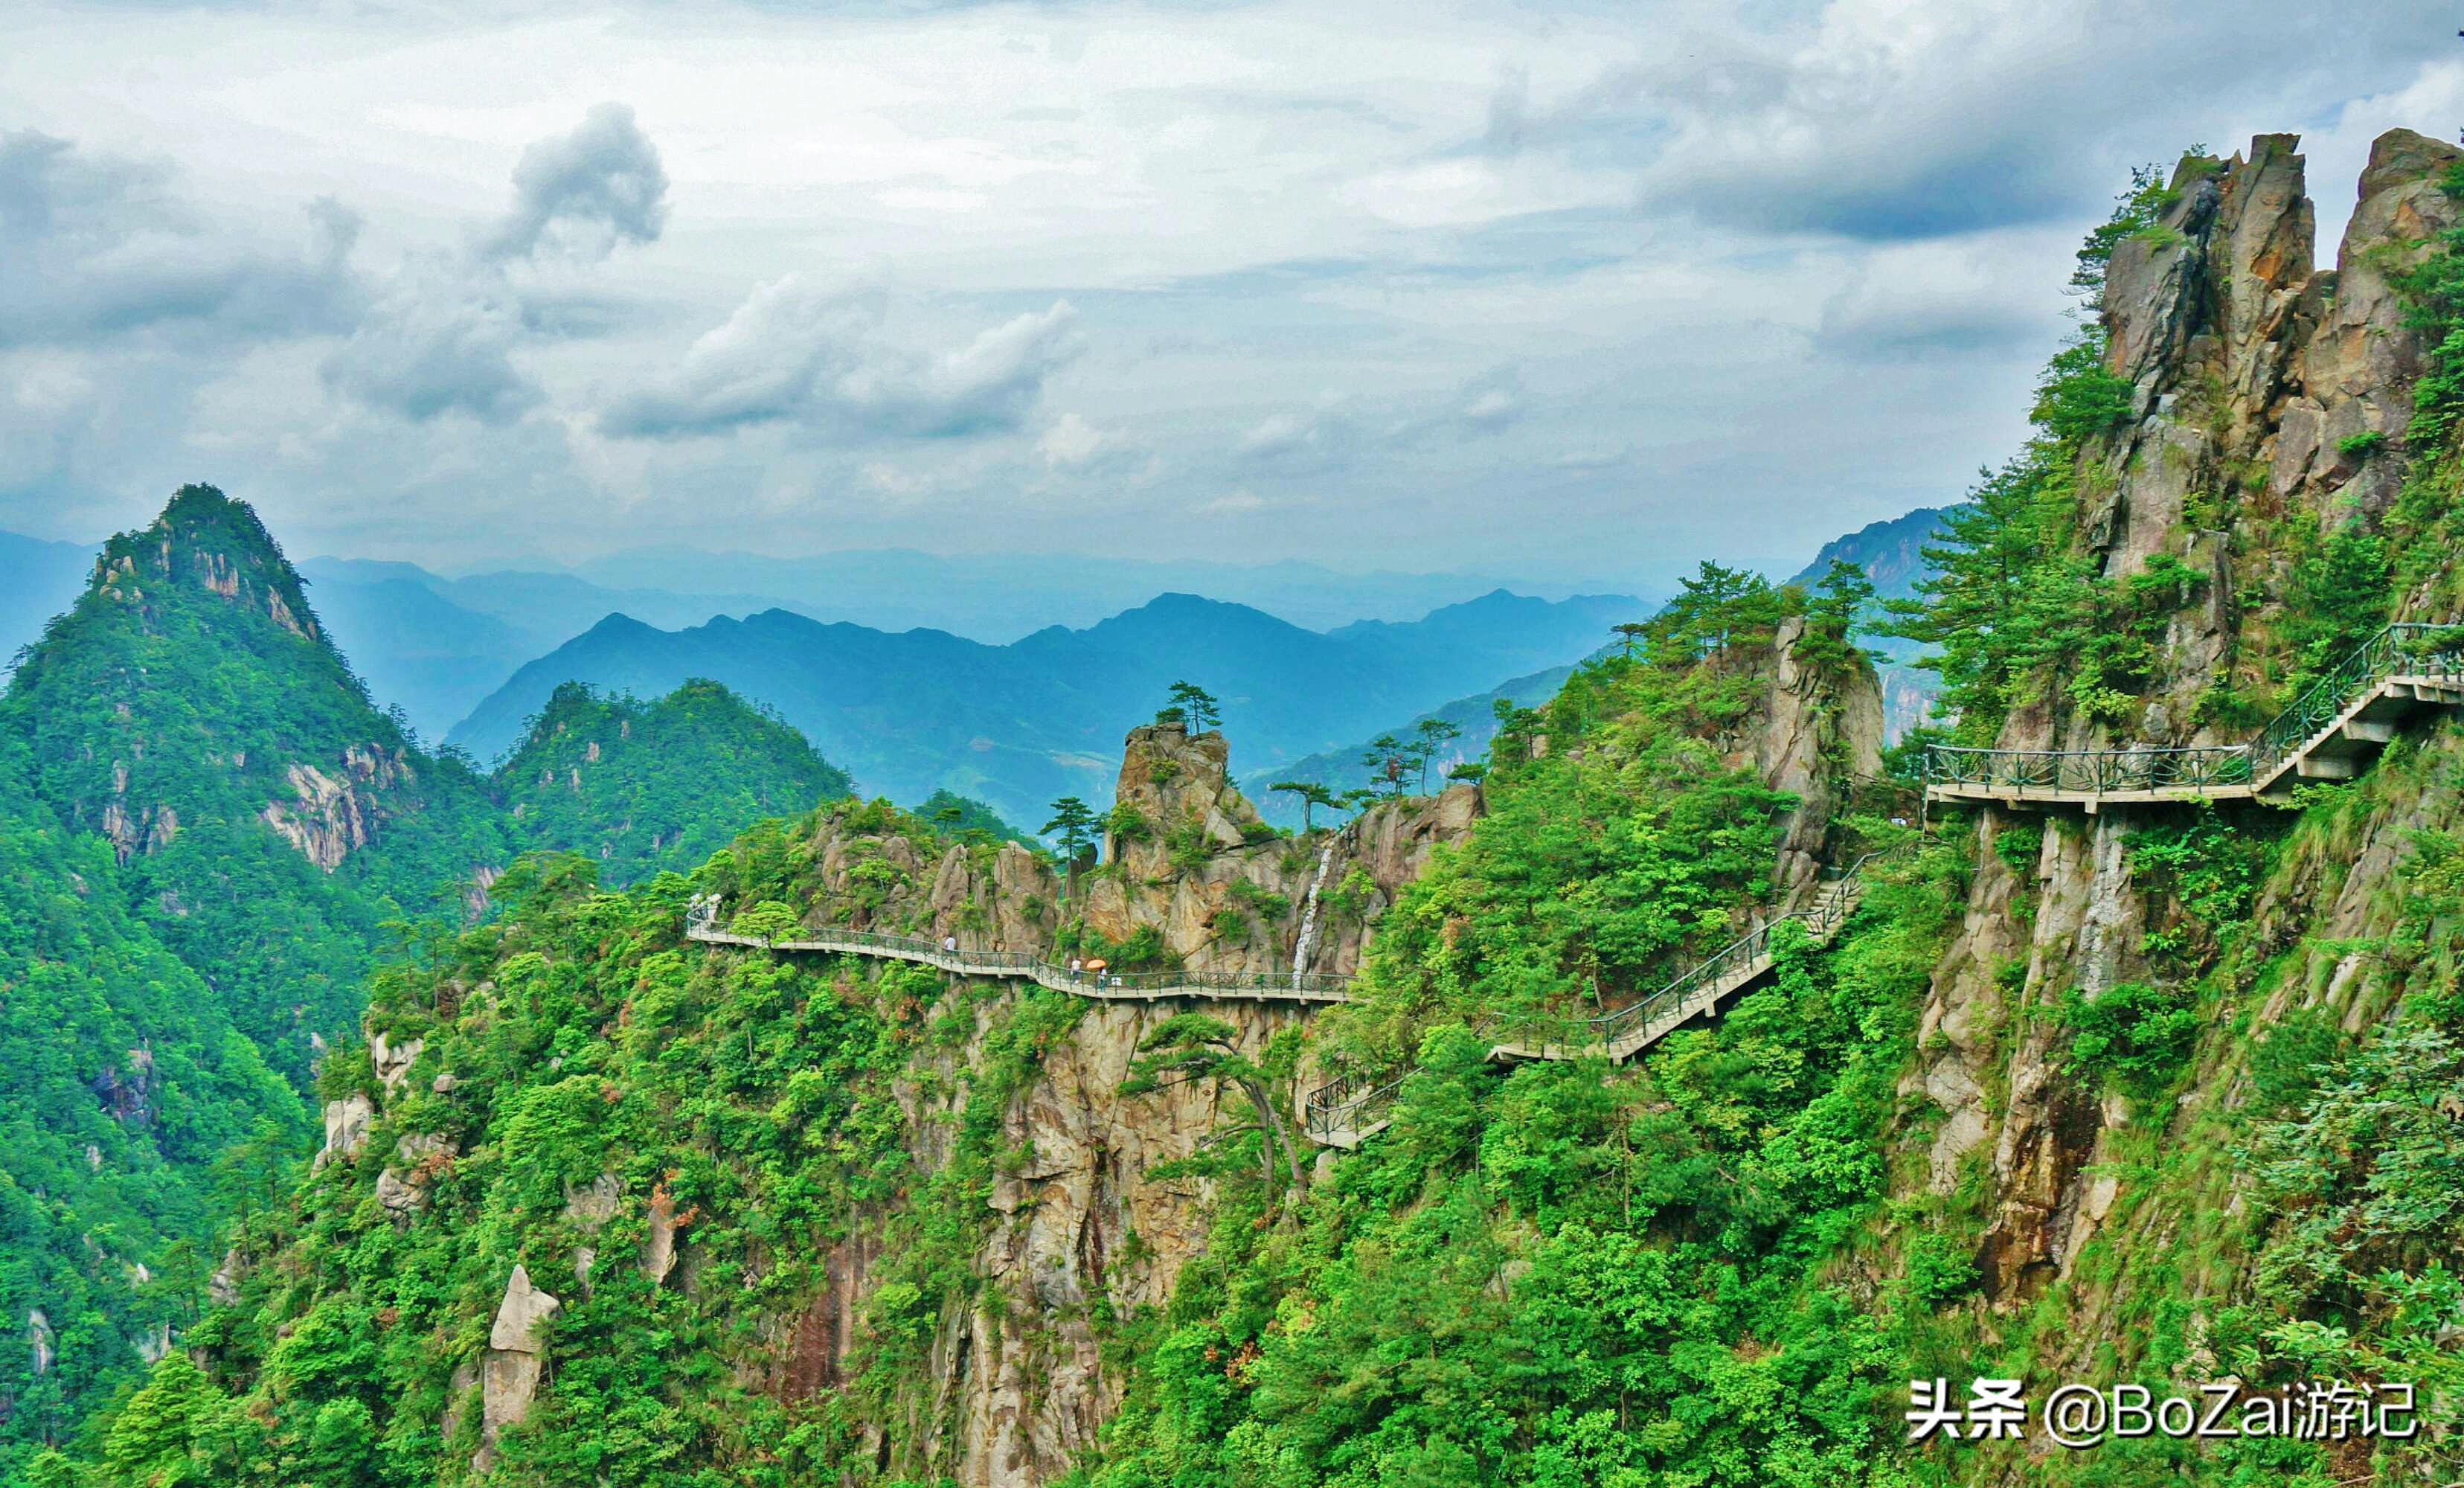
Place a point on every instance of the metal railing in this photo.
(2400, 650)
(1352, 1107)
(2089, 771)
(702, 923)
(2409, 648)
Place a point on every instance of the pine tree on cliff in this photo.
(1198, 705)
(1312, 795)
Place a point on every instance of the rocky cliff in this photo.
(2269, 401)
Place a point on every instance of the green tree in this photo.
(1715, 607)
(1192, 1048)
(767, 922)
(1430, 735)
(1203, 713)
(1387, 759)
(150, 1437)
(1312, 795)
(1831, 616)
(1975, 602)
(1073, 822)
(1632, 631)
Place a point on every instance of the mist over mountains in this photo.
(1004, 678)
(1015, 726)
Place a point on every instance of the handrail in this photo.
(1333, 1108)
(2326, 698)
(2206, 767)
(702, 923)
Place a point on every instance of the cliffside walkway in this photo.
(2329, 733)
(1343, 1113)
(967, 961)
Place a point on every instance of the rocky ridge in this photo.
(2252, 371)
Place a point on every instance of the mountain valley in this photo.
(1671, 1073)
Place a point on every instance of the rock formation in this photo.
(509, 1374)
(2251, 372)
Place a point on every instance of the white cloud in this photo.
(1607, 288)
(1072, 442)
(795, 353)
(581, 194)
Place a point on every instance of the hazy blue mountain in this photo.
(1888, 552)
(38, 579)
(438, 646)
(1891, 556)
(1341, 768)
(1013, 726)
(998, 598)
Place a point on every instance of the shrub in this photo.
(2362, 445)
(2133, 1035)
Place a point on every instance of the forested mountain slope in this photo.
(644, 786)
(267, 818)
(2165, 1094)
(132, 1116)
(209, 840)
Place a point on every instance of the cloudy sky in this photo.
(1591, 289)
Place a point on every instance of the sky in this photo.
(1590, 290)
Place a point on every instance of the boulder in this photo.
(346, 1127)
(509, 1374)
(393, 1061)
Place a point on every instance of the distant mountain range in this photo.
(438, 646)
(1004, 596)
(1340, 770)
(1015, 726)
(1890, 552)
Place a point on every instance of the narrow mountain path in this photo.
(1344, 1111)
(2329, 733)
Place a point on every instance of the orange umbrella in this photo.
(1095, 966)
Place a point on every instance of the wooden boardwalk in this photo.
(1342, 1112)
(1303, 986)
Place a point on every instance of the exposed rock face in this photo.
(325, 821)
(417, 1157)
(659, 1238)
(2248, 366)
(1203, 851)
(346, 1127)
(1080, 1221)
(1025, 1404)
(393, 1061)
(1808, 726)
(222, 1289)
(509, 1374)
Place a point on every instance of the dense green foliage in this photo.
(644, 786)
(132, 1114)
(170, 956)
(1570, 1273)
(1720, 1263)
(187, 690)
(211, 838)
